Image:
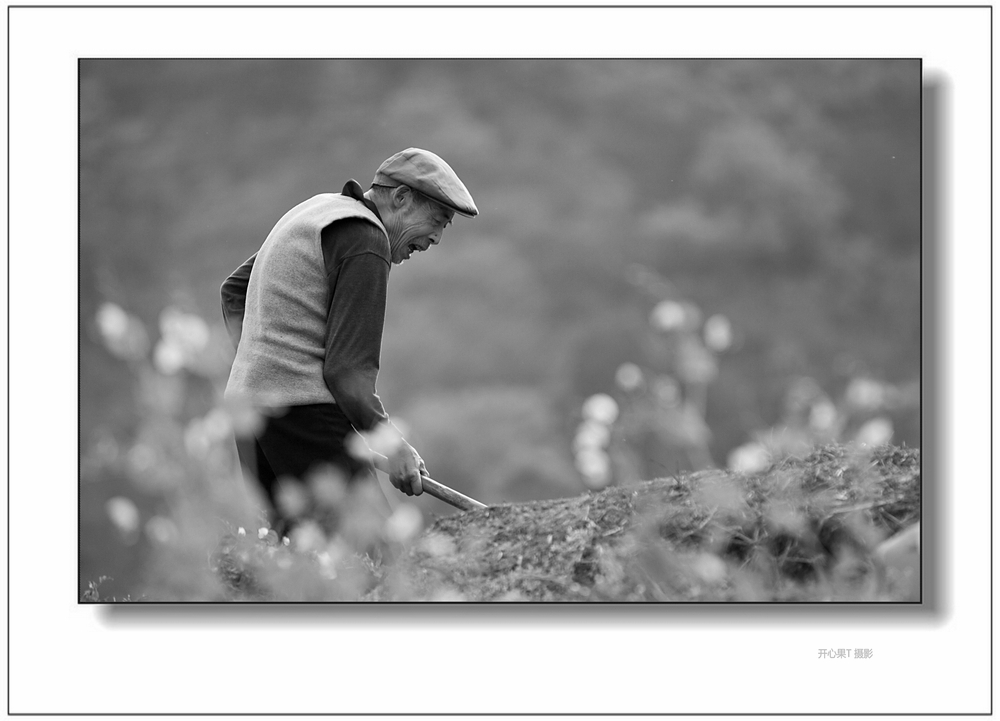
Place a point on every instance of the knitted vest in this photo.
(279, 361)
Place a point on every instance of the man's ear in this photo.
(401, 196)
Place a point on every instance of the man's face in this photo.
(418, 227)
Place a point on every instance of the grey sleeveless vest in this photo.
(280, 357)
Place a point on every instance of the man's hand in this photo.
(405, 470)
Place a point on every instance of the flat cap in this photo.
(426, 172)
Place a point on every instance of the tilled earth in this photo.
(803, 530)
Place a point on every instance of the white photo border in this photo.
(70, 658)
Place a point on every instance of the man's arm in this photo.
(234, 299)
(358, 276)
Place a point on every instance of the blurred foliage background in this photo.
(729, 251)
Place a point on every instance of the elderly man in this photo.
(306, 313)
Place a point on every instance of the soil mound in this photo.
(803, 530)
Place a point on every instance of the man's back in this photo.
(280, 357)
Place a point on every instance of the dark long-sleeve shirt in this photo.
(357, 278)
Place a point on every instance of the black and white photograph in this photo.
(507, 360)
(513, 330)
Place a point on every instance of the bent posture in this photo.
(306, 314)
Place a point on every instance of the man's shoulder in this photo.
(338, 206)
(355, 235)
(304, 224)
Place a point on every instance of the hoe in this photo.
(438, 490)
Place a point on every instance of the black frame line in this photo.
(541, 604)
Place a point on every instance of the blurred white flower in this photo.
(667, 391)
(718, 333)
(785, 516)
(749, 458)
(404, 523)
(823, 415)
(688, 425)
(262, 532)
(291, 498)
(339, 550)
(592, 461)
(695, 364)
(600, 407)
(196, 441)
(385, 438)
(308, 536)
(709, 568)
(905, 542)
(112, 321)
(785, 441)
(668, 315)
(363, 526)
(161, 530)
(328, 487)
(168, 357)
(597, 481)
(358, 448)
(628, 376)
(244, 417)
(438, 545)
(183, 336)
(327, 566)
(801, 394)
(720, 490)
(185, 330)
(242, 531)
(875, 432)
(123, 335)
(591, 434)
(123, 514)
(865, 394)
(218, 425)
(595, 467)
(141, 458)
(447, 595)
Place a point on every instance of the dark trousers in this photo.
(303, 439)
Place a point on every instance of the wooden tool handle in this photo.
(438, 490)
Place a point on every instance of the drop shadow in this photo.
(520, 615)
(934, 314)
